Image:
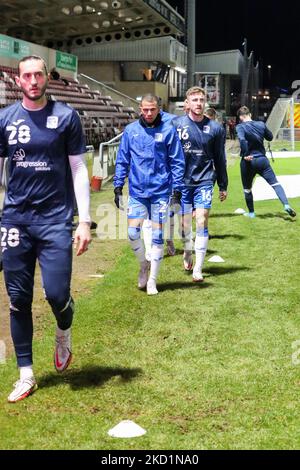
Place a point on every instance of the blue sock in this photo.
(22, 331)
(249, 214)
(280, 194)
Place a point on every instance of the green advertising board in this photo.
(66, 61)
(13, 48)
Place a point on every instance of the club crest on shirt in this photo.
(19, 155)
(52, 122)
(206, 129)
(158, 137)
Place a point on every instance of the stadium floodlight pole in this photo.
(190, 40)
(292, 123)
(245, 48)
(245, 75)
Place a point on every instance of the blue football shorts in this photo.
(154, 208)
(199, 197)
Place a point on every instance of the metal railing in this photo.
(96, 85)
(107, 158)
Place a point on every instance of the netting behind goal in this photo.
(280, 122)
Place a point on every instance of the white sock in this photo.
(170, 228)
(26, 372)
(157, 254)
(188, 239)
(138, 248)
(147, 236)
(201, 243)
(187, 256)
(60, 332)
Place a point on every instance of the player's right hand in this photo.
(82, 238)
(222, 195)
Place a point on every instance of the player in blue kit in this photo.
(44, 144)
(151, 156)
(147, 224)
(251, 135)
(202, 140)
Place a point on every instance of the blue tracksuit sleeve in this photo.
(243, 141)
(123, 162)
(268, 134)
(176, 160)
(220, 160)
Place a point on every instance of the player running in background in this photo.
(44, 144)
(251, 135)
(151, 156)
(202, 140)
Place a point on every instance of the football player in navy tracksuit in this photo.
(202, 140)
(251, 135)
(151, 156)
(44, 144)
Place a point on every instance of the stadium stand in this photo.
(102, 118)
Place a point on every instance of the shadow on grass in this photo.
(211, 271)
(224, 214)
(210, 252)
(179, 252)
(222, 270)
(277, 215)
(89, 376)
(182, 285)
(226, 235)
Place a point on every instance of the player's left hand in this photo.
(175, 201)
(82, 238)
(222, 195)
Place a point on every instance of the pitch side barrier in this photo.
(107, 158)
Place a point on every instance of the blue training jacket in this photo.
(251, 135)
(203, 145)
(152, 158)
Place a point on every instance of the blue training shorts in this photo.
(199, 197)
(156, 208)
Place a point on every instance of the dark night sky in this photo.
(272, 28)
